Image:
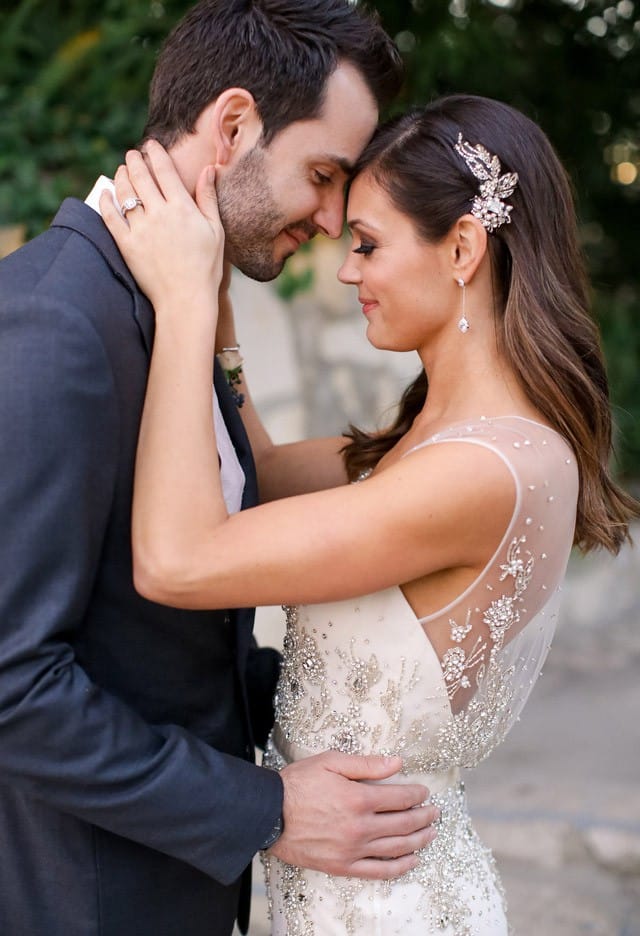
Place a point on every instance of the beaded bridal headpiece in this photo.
(489, 206)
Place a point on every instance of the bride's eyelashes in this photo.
(365, 249)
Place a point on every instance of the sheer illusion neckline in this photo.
(482, 421)
(442, 436)
(497, 552)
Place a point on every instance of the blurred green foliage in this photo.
(73, 86)
(73, 91)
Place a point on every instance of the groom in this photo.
(130, 804)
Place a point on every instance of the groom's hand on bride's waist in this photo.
(337, 824)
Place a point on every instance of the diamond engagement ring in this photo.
(129, 204)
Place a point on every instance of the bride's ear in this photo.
(468, 247)
(232, 123)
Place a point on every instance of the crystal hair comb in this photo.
(489, 206)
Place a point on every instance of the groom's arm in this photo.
(66, 741)
(63, 739)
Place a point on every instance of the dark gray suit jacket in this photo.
(129, 801)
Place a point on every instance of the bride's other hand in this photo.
(173, 245)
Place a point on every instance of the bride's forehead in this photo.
(368, 200)
(364, 190)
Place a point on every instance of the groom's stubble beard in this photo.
(250, 217)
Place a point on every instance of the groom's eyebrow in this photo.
(341, 162)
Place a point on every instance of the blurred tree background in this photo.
(73, 86)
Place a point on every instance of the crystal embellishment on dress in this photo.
(368, 675)
(501, 614)
(460, 631)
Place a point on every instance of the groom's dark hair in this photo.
(282, 51)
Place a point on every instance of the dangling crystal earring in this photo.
(463, 324)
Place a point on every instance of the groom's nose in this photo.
(329, 217)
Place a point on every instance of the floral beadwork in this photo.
(368, 676)
(501, 615)
(455, 855)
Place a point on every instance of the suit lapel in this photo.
(76, 216)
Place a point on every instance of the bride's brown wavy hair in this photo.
(541, 292)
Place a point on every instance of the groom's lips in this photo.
(301, 234)
(296, 240)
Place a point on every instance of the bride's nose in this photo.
(348, 272)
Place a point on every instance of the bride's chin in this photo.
(377, 341)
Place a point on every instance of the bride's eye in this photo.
(365, 249)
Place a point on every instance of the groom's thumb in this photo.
(366, 767)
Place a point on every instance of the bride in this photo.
(421, 598)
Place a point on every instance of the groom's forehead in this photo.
(340, 130)
(302, 141)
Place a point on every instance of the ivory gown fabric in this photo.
(362, 676)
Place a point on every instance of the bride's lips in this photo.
(367, 304)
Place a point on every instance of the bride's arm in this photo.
(177, 485)
(285, 469)
(424, 513)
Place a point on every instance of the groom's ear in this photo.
(233, 123)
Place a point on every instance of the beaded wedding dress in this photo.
(362, 676)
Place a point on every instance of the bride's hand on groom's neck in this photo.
(173, 248)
